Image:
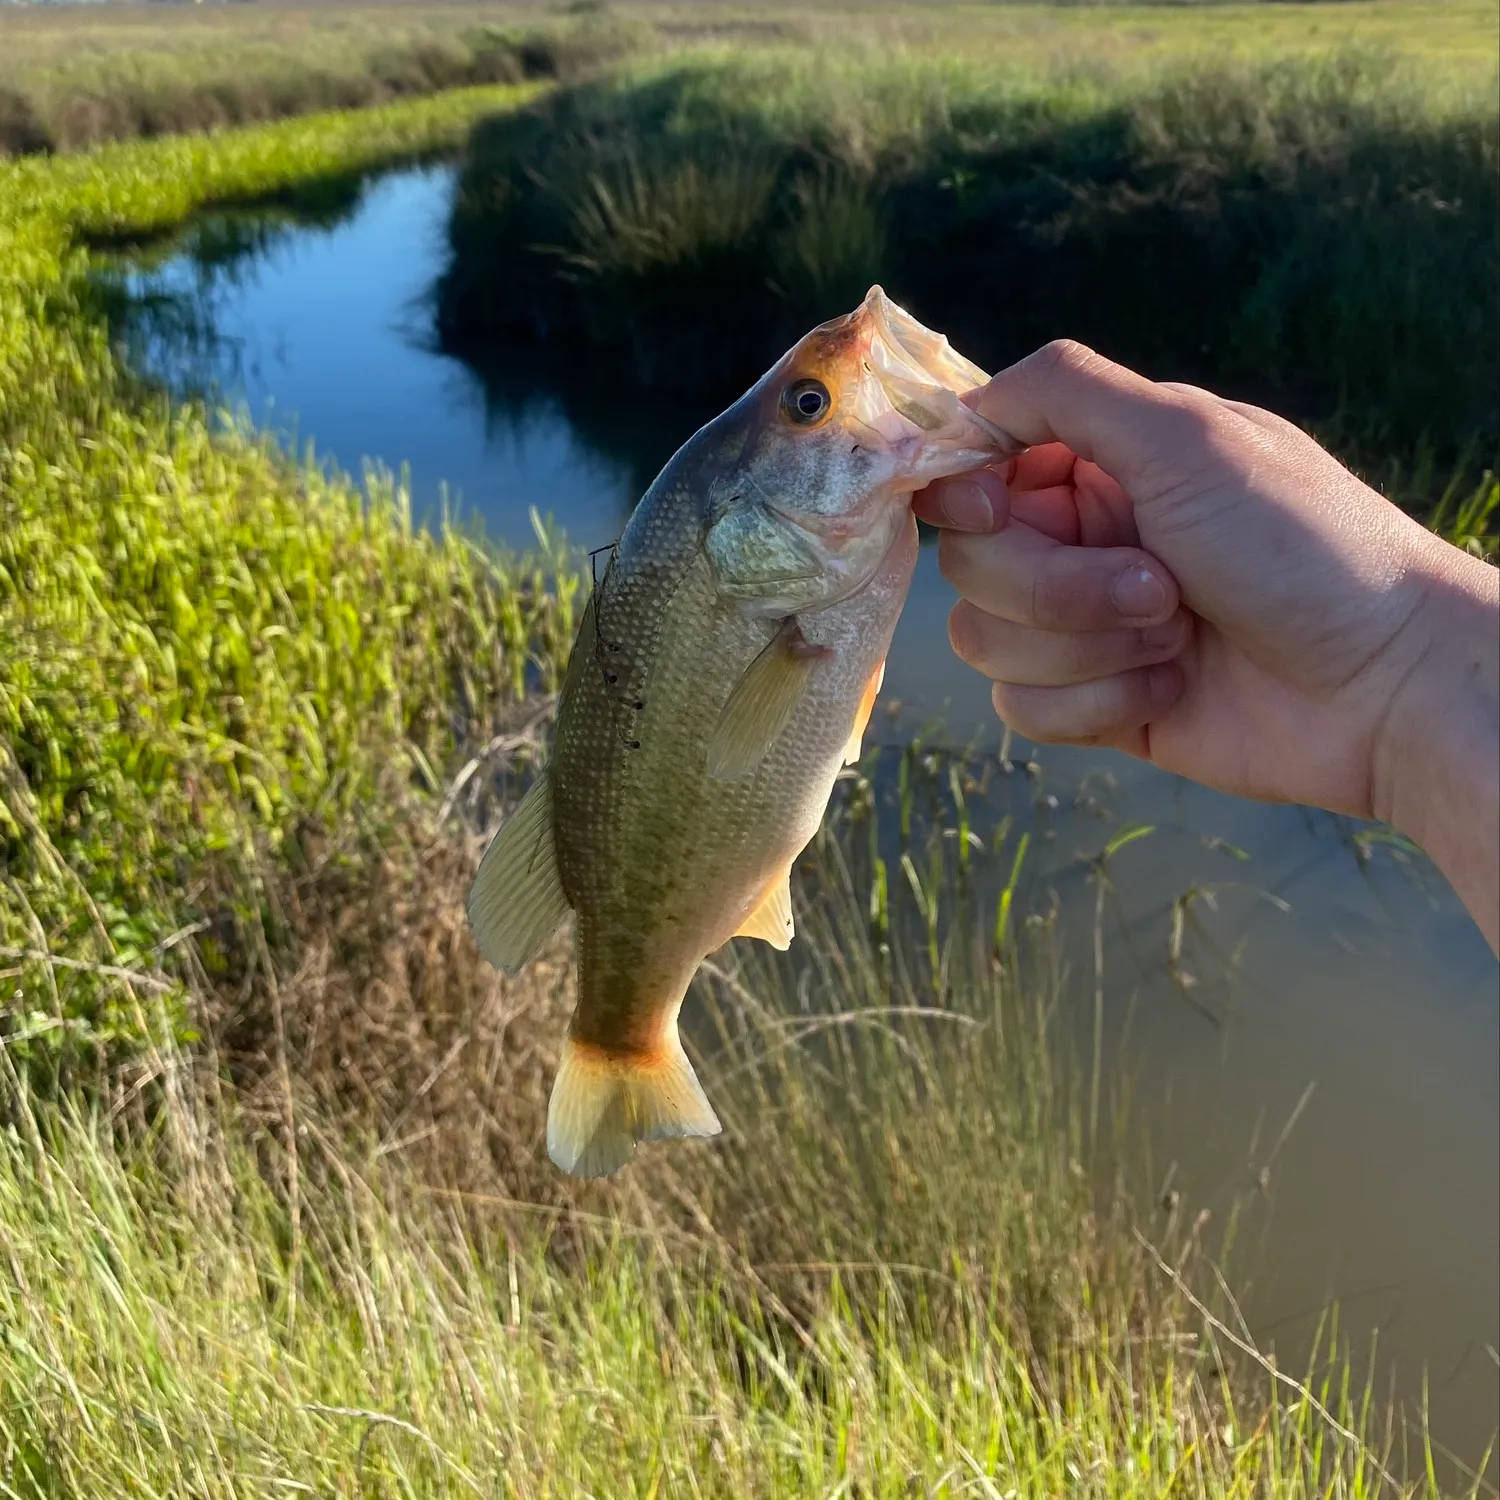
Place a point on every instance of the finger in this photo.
(1053, 512)
(1025, 577)
(1041, 467)
(1089, 711)
(975, 501)
(1024, 656)
(1267, 419)
(1106, 518)
(1131, 427)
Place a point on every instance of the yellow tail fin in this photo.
(603, 1103)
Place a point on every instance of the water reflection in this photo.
(1298, 999)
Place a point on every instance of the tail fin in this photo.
(603, 1103)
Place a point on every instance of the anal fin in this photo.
(603, 1103)
(517, 900)
(762, 703)
(855, 747)
(771, 921)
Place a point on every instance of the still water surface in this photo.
(1338, 1056)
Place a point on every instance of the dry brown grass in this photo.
(376, 1014)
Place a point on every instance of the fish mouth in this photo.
(909, 396)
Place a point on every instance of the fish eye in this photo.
(805, 401)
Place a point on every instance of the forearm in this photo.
(1438, 781)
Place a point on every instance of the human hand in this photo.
(1196, 582)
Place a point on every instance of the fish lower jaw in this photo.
(922, 465)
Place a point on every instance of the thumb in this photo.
(1137, 431)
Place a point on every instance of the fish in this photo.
(724, 672)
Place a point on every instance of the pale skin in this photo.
(1196, 582)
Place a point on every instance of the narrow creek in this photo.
(1337, 1057)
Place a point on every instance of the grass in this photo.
(211, 653)
(1313, 233)
(890, 1276)
(73, 80)
(318, 1248)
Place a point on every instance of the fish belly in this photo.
(661, 862)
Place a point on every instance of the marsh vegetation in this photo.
(271, 1180)
(1312, 234)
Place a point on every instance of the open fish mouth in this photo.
(913, 378)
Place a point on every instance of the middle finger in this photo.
(1023, 655)
(1028, 578)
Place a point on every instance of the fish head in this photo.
(833, 441)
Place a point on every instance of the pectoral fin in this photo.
(762, 703)
(517, 901)
(771, 921)
(855, 747)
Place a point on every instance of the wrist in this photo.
(1435, 766)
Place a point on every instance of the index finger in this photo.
(980, 499)
(1042, 467)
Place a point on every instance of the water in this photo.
(1331, 1043)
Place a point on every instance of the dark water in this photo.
(1330, 1044)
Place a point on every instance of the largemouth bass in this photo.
(724, 671)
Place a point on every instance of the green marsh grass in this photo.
(74, 80)
(1312, 232)
(893, 1273)
(71, 78)
(321, 1249)
(210, 654)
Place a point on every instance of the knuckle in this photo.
(1225, 437)
(953, 562)
(1011, 706)
(1086, 655)
(1197, 420)
(1103, 702)
(1032, 712)
(1049, 600)
(1067, 357)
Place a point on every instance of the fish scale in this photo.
(723, 673)
(637, 839)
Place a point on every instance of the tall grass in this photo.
(74, 81)
(1314, 233)
(210, 655)
(233, 689)
(892, 1275)
(71, 78)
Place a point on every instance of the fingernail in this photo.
(967, 507)
(1138, 594)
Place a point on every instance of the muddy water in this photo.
(1328, 1040)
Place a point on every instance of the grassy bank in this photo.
(319, 1248)
(219, 667)
(75, 79)
(890, 1276)
(1316, 234)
